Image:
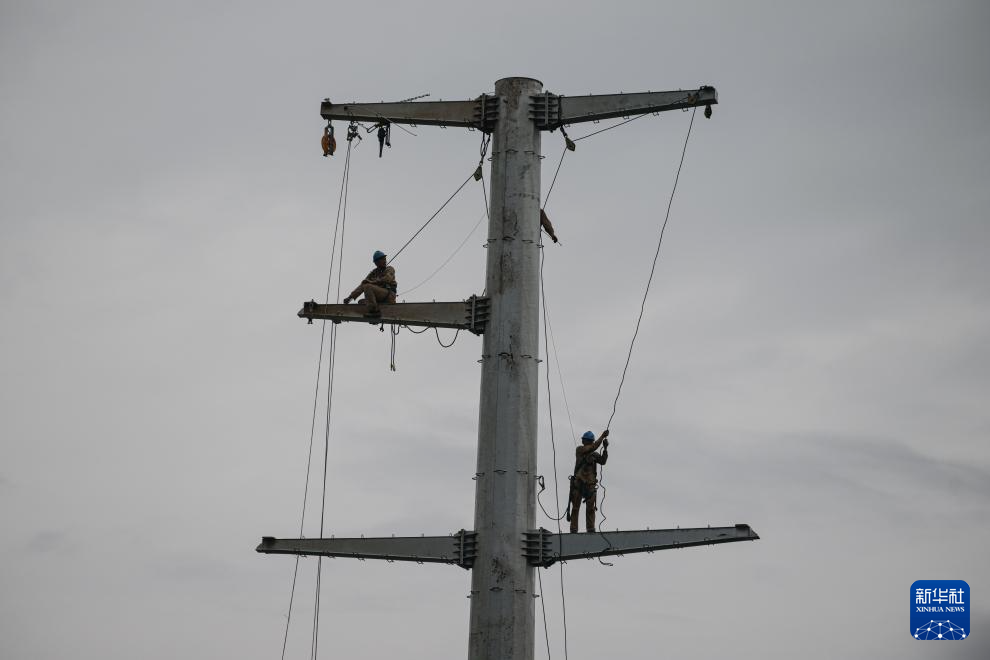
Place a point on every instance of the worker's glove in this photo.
(604, 434)
(605, 444)
(347, 300)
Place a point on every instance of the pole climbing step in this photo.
(471, 314)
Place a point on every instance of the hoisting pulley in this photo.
(352, 131)
(329, 142)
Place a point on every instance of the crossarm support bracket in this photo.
(458, 548)
(543, 548)
(471, 314)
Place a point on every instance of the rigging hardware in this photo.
(328, 142)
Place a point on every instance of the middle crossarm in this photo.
(470, 314)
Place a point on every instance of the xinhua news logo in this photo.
(940, 610)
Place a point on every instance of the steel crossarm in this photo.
(574, 109)
(543, 548)
(470, 314)
(477, 113)
(457, 548)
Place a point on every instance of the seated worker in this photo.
(584, 483)
(378, 287)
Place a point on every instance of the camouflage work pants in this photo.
(589, 494)
(374, 294)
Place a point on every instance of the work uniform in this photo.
(547, 227)
(378, 287)
(584, 483)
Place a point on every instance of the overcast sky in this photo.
(814, 358)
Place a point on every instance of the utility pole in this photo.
(504, 547)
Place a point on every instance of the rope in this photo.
(442, 207)
(639, 320)
(394, 331)
(326, 435)
(316, 394)
(560, 375)
(543, 606)
(484, 192)
(477, 175)
(315, 639)
(631, 119)
(546, 348)
(649, 281)
(555, 173)
(539, 501)
(454, 254)
(326, 441)
(608, 128)
(553, 445)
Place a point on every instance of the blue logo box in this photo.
(940, 610)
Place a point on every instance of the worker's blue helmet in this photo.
(377, 255)
(588, 437)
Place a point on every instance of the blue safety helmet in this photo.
(588, 437)
(377, 255)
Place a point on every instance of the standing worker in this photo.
(584, 483)
(378, 287)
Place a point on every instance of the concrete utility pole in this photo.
(504, 547)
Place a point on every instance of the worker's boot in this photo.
(372, 306)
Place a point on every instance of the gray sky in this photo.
(813, 361)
